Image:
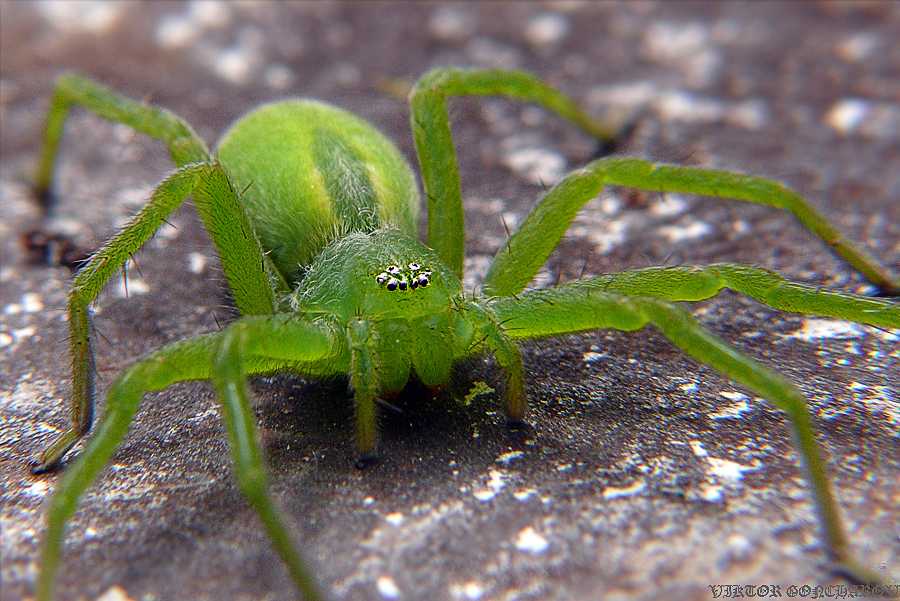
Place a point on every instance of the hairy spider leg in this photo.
(243, 261)
(286, 338)
(364, 381)
(73, 90)
(252, 345)
(490, 334)
(573, 308)
(434, 142)
(694, 283)
(518, 261)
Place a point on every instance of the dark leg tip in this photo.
(38, 467)
(44, 197)
(366, 460)
(517, 425)
(607, 147)
(882, 292)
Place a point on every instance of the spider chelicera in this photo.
(321, 257)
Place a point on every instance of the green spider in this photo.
(321, 258)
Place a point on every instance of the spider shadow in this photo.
(304, 418)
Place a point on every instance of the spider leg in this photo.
(242, 260)
(527, 250)
(574, 309)
(693, 283)
(490, 334)
(434, 142)
(365, 383)
(184, 145)
(273, 343)
(181, 361)
(283, 338)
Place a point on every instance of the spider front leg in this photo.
(72, 90)
(693, 283)
(434, 142)
(252, 345)
(527, 249)
(285, 338)
(574, 308)
(251, 278)
(181, 361)
(365, 383)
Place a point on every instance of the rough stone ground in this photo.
(645, 475)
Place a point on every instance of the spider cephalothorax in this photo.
(320, 254)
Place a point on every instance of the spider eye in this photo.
(414, 266)
(393, 269)
(403, 284)
(422, 280)
(381, 278)
(392, 284)
(414, 283)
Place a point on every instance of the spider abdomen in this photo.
(314, 173)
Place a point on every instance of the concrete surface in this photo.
(645, 476)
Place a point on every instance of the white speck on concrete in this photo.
(727, 469)
(31, 302)
(489, 52)
(509, 457)
(536, 165)
(134, 287)
(739, 547)
(234, 65)
(613, 492)
(167, 231)
(690, 229)
(39, 489)
(684, 106)
(530, 541)
(368, 501)
(23, 333)
(494, 485)
(524, 494)
(279, 77)
(858, 46)
(698, 449)
(592, 357)
(471, 590)
(612, 234)
(450, 24)
(686, 47)
(738, 407)
(636, 93)
(394, 519)
(387, 588)
(688, 387)
(196, 262)
(814, 329)
(175, 31)
(181, 29)
(88, 15)
(546, 29)
(5, 339)
(749, 114)
(711, 493)
(846, 115)
(115, 593)
(669, 205)
(210, 13)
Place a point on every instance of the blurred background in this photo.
(609, 496)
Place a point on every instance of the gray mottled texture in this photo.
(644, 475)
